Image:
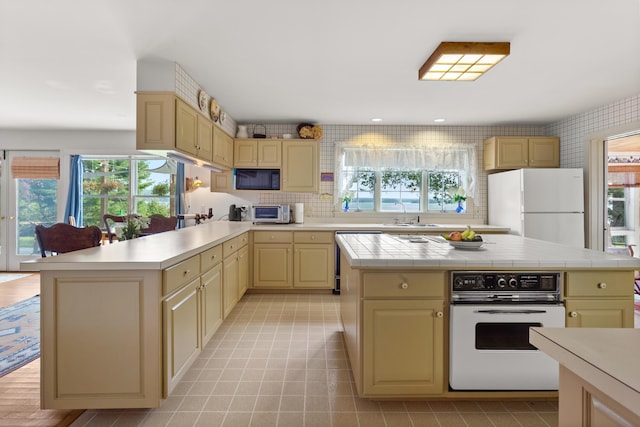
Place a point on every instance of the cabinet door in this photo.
(221, 181)
(205, 138)
(245, 153)
(403, 347)
(155, 121)
(210, 303)
(544, 152)
(181, 343)
(222, 148)
(243, 271)
(300, 166)
(599, 313)
(186, 128)
(313, 266)
(269, 153)
(512, 153)
(272, 265)
(230, 283)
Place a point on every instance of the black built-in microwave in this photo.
(257, 179)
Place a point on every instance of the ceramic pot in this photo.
(242, 132)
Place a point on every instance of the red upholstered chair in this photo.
(61, 238)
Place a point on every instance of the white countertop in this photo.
(498, 251)
(426, 228)
(153, 252)
(604, 357)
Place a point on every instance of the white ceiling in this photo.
(72, 63)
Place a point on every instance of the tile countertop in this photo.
(423, 228)
(498, 251)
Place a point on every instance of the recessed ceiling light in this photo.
(376, 120)
(463, 60)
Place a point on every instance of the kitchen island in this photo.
(396, 313)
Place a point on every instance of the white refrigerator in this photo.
(545, 203)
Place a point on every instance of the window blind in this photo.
(35, 167)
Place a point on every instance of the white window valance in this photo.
(427, 156)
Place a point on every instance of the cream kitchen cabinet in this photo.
(301, 259)
(313, 259)
(210, 293)
(221, 182)
(180, 320)
(222, 148)
(515, 152)
(260, 153)
(300, 165)
(166, 123)
(599, 299)
(272, 259)
(243, 270)
(234, 269)
(394, 331)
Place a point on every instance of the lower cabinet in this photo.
(210, 303)
(182, 344)
(235, 271)
(599, 299)
(285, 260)
(403, 347)
(394, 331)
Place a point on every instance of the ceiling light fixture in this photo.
(438, 120)
(463, 60)
(376, 119)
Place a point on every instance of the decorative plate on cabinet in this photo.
(202, 100)
(214, 109)
(223, 116)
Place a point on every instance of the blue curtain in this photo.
(74, 197)
(179, 189)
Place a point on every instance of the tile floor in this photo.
(279, 360)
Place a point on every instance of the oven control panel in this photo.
(505, 286)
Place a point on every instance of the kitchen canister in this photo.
(298, 213)
(242, 132)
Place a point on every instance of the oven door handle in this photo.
(503, 311)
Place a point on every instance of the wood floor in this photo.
(20, 389)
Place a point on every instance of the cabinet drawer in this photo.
(313, 237)
(599, 284)
(272, 237)
(176, 276)
(404, 285)
(243, 240)
(230, 246)
(210, 257)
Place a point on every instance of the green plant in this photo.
(160, 189)
(133, 226)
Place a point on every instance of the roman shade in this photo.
(35, 168)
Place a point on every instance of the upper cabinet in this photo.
(260, 153)
(222, 148)
(165, 122)
(300, 165)
(515, 152)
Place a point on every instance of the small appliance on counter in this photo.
(236, 213)
(298, 213)
(271, 213)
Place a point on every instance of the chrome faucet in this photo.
(404, 212)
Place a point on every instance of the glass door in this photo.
(24, 203)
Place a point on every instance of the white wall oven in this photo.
(491, 313)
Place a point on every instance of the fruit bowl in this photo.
(461, 244)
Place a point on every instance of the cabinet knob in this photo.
(313, 237)
(404, 286)
(186, 272)
(573, 314)
(602, 285)
(439, 314)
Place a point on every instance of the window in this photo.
(405, 179)
(119, 186)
